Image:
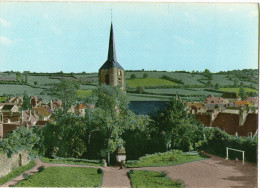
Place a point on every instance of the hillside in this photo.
(141, 85)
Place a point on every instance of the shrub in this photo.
(100, 171)
(133, 76)
(130, 172)
(41, 168)
(145, 75)
(26, 176)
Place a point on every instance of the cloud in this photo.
(183, 40)
(5, 41)
(4, 22)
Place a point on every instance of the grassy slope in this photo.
(63, 177)
(16, 172)
(148, 82)
(144, 178)
(173, 157)
(236, 90)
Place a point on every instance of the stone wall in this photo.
(116, 76)
(8, 164)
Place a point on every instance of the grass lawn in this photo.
(236, 90)
(3, 98)
(169, 158)
(63, 177)
(83, 93)
(16, 172)
(71, 161)
(144, 178)
(149, 82)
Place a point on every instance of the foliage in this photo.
(139, 89)
(83, 93)
(100, 171)
(242, 93)
(26, 176)
(176, 128)
(236, 90)
(67, 177)
(208, 74)
(66, 92)
(169, 158)
(145, 75)
(144, 178)
(133, 76)
(26, 102)
(17, 171)
(2, 99)
(20, 139)
(217, 141)
(59, 160)
(172, 79)
(41, 168)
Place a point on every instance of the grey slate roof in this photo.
(111, 57)
(147, 107)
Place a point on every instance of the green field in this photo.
(63, 177)
(169, 158)
(144, 178)
(149, 82)
(236, 90)
(83, 93)
(16, 172)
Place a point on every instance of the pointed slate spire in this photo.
(111, 57)
(111, 50)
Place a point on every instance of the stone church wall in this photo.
(8, 164)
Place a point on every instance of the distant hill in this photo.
(141, 85)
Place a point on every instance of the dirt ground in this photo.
(211, 172)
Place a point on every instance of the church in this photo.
(111, 72)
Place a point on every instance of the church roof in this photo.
(111, 57)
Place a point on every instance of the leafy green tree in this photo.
(26, 102)
(242, 93)
(139, 89)
(20, 139)
(133, 76)
(35, 83)
(174, 124)
(113, 116)
(216, 86)
(66, 92)
(145, 75)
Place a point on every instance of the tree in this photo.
(174, 124)
(145, 75)
(133, 76)
(208, 74)
(139, 89)
(18, 77)
(242, 93)
(26, 102)
(35, 83)
(113, 116)
(235, 83)
(66, 92)
(216, 86)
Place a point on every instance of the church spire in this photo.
(111, 50)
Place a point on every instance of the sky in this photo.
(74, 36)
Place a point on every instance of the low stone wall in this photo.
(8, 164)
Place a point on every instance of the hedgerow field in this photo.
(191, 86)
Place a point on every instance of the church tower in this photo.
(111, 72)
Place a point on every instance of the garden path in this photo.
(212, 172)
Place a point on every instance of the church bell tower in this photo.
(111, 72)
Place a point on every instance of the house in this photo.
(16, 100)
(213, 100)
(241, 103)
(9, 107)
(195, 108)
(35, 102)
(55, 104)
(28, 119)
(253, 101)
(9, 121)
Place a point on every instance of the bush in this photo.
(100, 171)
(26, 176)
(145, 75)
(130, 172)
(133, 76)
(41, 168)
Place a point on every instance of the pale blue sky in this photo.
(73, 37)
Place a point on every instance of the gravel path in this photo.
(212, 172)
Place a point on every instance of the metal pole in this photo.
(243, 158)
(227, 153)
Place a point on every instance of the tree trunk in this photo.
(108, 158)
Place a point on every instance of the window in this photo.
(119, 73)
(107, 79)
